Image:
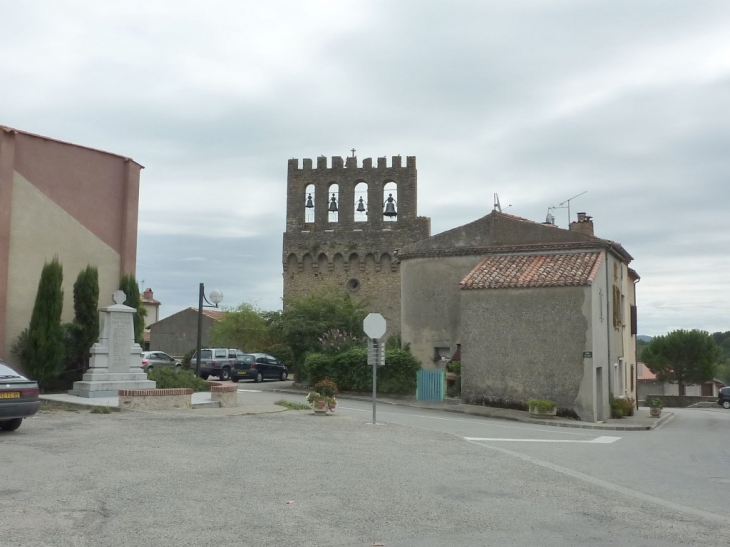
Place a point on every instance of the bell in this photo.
(333, 204)
(390, 207)
(310, 203)
(360, 206)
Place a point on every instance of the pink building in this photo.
(61, 199)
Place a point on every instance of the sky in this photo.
(537, 101)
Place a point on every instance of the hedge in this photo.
(351, 371)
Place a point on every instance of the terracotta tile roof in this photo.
(213, 314)
(534, 270)
(646, 374)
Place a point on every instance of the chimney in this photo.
(584, 225)
(147, 295)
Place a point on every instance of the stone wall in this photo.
(675, 401)
(178, 334)
(155, 399)
(355, 255)
(226, 395)
(523, 343)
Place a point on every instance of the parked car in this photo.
(723, 397)
(217, 362)
(152, 359)
(258, 367)
(18, 398)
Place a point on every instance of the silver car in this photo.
(18, 398)
(154, 359)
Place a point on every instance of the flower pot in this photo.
(320, 407)
(655, 411)
(535, 411)
(450, 378)
(332, 406)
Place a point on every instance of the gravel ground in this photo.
(294, 479)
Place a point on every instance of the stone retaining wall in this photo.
(155, 399)
(227, 396)
(680, 402)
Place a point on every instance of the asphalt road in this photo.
(295, 479)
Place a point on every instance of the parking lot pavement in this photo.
(295, 479)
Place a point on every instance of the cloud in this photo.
(534, 100)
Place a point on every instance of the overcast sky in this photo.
(535, 100)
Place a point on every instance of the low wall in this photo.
(677, 401)
(155, 399)
(227, 396)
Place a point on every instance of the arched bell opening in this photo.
(309, 203)
(361, 202)
(390, 202)
(334, 200)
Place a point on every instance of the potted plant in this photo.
(323, 398)
(544, 408)
(655, 407)
(318, 402)
(453, 368)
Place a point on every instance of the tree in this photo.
(683, 356)
(45, 351)
(86, 314)
(244, 327)
(305, 319)
(723, 340)
(130, 287)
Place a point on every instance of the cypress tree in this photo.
(45, 343)
(130, 287)
(86, 313)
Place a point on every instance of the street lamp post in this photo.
(216, 296)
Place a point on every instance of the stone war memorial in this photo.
(116, 359)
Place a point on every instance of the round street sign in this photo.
(374, 325)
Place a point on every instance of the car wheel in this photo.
(11, 425)
(259, 378)
(283, 376)
(235, 379)
(204, 376)
(726, 404)
(148, 369)
(225, 374)
(178, 366)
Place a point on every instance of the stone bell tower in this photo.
(344, 224)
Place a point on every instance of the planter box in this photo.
(227, 396)
(534, 411)
(155, 399)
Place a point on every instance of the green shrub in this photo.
(616, 409)
(188, 358)
(626, 406)
(170, 377)
(454, 366)
(351, 372)
(542, 405)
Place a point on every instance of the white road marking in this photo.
(474, 421)
(597, 440)
(612, 486)
(250, 391)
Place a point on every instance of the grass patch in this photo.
(101, 410)
(57, 407)
(292, 406)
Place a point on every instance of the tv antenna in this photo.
(497, 205)
(564, 205)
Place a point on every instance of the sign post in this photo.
(374, 327)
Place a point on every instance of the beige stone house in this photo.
(533, 309)
(62, 199)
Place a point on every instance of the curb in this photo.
(74, 405)
(451, 407)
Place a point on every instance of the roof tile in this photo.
(534, 270)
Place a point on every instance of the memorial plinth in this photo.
(116, 359)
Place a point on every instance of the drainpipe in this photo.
(609, 374)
